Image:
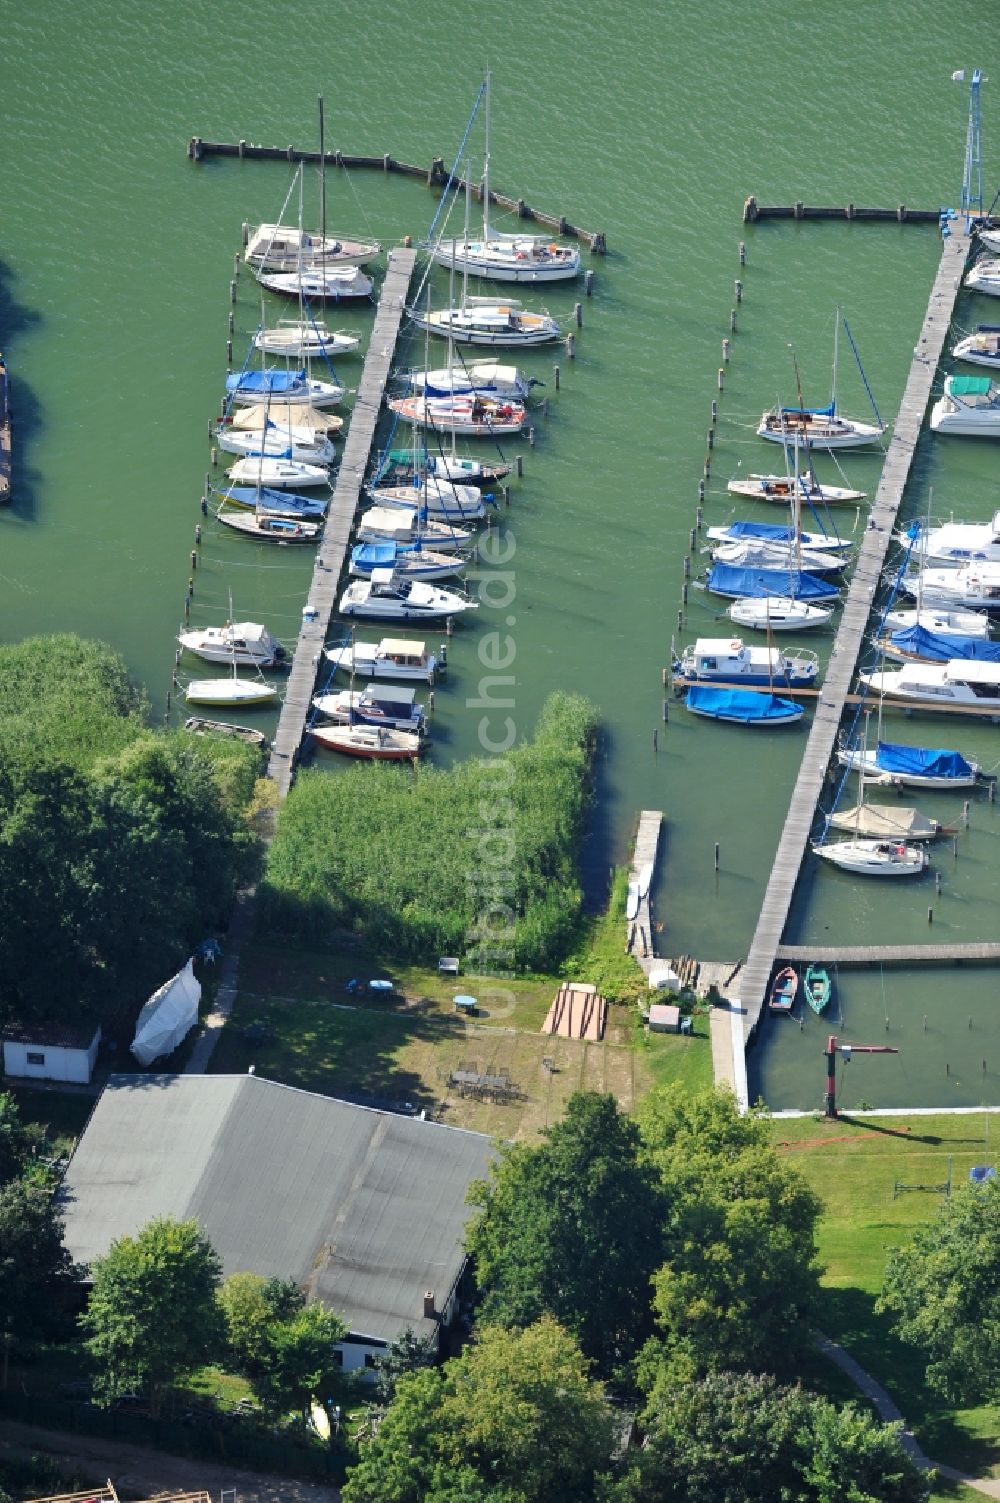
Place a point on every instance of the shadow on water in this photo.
(25, 408)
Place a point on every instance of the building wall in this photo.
(50, 1061)
(355, 1354)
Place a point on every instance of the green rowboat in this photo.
(817, 987)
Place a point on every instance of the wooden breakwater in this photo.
(753, 213)
(435, 176)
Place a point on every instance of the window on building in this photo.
(370, 1359)
(36, 1057)
(338, 1357)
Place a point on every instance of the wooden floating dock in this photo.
(332, 551)
(819, 749)
(863, 955)
(753, 212)
(435, 176)
(639, 930)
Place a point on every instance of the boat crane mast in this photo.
(972, 177)
(830, 1095)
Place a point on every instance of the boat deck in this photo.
(798, 824)
(332, 551)
(639, 930)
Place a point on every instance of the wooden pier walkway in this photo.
(850, 635)
(753, 212)
(332, 551)
(985, 951)
(639, 930)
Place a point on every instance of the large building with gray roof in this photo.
(364, 1209)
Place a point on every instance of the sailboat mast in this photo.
(486, 162)
(322, 176)
(836, 337)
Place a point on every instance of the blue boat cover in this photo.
(771, 531)
(939, 649)
(375, 555)
(731, 579)
(273, 382)
(922, 761)
(809, 411)
(740, 704)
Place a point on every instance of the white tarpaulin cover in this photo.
(169, 1014)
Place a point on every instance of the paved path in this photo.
(138, 1473)
(888, 1411)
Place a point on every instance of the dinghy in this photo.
(817, 987)
(784, 990)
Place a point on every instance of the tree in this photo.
(515, 1419)
(741, 1438)
(13, 1139)
(251, 1305)
(281, 1345)
(740, 1279)
(153, 1313)
(943, 1293)
(572, 1227)
(36, 1274)
(407, 1354)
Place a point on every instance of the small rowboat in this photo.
(784, 989)
(817, 987)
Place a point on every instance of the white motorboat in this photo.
(323, 284)
(302, 339)
(375, 742)
(407, 560)
(970, 406)
(959, 683)
(989, 238)
(731, 661)
(233, 692)
(486, 321)
(783, 488)
(504, 382)
(942, 623)
(391, 705)
(751, 554)
(411, 524)
(303, 444)
(259, 415)
(474, 416)
(874, 858)
(282, 247)
(777, 613)
(820, 427)
(388, 597)
(287, 387)
(392, 657)
(439, 498)
(895, 765)
(246, 643)
(985, 277)
(954, 542)
(774, 533)
(972, 586)
(277, 474)
(981, 347)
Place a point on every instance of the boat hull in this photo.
(495, 262)
(782, 489)
(373, 743)
(874, 858)
(234, 694)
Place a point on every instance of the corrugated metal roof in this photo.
(364, 1208)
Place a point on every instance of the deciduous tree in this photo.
(36, 1274)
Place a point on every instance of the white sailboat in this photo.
(871, 856)
(491, 322)
(410, 524)
(819, 427)
(297, 443)
(278, 247)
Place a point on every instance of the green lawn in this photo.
(853, 1165)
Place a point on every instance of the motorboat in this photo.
(748, 553)
(989, 238)
(412, 524)
(282, 247)
(784, 488)
(233, 692)
(303, 339)
(394, 706)
(954, 542)
(817, 987)
(487, 321)
(407, 560)
(778, 536)
(957, 684)
(981, 347)
(731, 661)
(376, 743)
(874, 858)
(915, 644)
(504, 382)
(777, 613)
(278, 443)
(269, 527)
(279, 503)
(246, 643)
(392, 657)
(970, 406)
(472, 416)
(439, 498)
(387, 596)
(892, 764)
(972, 586)
(784, 990)
(942, 623)
(409, 466)
(819, 427)
(320, 284)
(797, 584)
(985, 276)
(275, 473)
(741, 706)
(287, 387)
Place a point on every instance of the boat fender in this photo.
(734, 645)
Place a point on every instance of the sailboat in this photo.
(867, 856)
(412, 524)
(490, 321)
(506, 258)
(821, 427)
(232, 692)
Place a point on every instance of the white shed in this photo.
(664, 1018)
(52, 1052)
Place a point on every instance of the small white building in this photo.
(664, 1018)
(51, 1052)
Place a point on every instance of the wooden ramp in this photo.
(639, 926)
(850, 636)
(578, 1012)
(332, 551)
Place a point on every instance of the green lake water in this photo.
(651, 123)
